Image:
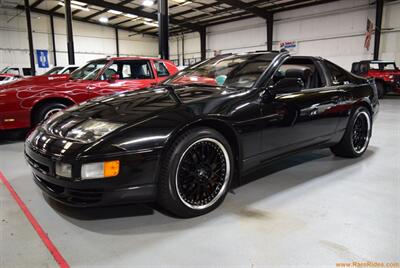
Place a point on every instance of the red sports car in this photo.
(26, 102)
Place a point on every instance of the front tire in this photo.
(46, 111)
(196, 173)
(357, 135)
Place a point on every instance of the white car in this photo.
(7, 78)
(61, 70)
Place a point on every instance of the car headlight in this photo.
(100, 170)
(92, 130)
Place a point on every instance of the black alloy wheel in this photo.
(196, 173)
(203, 173)
(356, 138)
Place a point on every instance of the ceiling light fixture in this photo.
(131, 16)
(148, 3)
(151, 24)
(75, 6)
(78, 3)
(148, 19)
(114, 12)
(103, 19)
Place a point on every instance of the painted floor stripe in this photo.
(39, 230)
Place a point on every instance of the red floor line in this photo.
(39, 230)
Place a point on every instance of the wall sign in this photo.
(42, 57)
(290, 46)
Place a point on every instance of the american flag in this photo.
(368, 34)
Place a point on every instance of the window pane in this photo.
(161, 69)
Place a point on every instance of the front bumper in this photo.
(132, 185)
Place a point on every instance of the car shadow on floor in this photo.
(271, 180)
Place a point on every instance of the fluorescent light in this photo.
(131, 16)
(78, 3)
(103, 19)
(148, 19)
(151, 23)
(114, 12)
(148, 3)
(75, 6)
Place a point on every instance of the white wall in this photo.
(335, 31)
(90, 41)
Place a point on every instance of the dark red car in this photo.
(26, 102)
(386, 74)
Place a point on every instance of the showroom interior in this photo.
(304, 207)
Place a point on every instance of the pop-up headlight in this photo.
(92, 130)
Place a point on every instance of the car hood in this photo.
(131, 106)
(35, 81)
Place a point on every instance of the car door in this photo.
(298, 119)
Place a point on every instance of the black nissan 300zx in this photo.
(185, 142)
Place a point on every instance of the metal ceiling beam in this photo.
(60, 15)
(38, 2)
(140, 13)
(245, 6)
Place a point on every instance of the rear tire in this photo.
(357, 135)
(196, 173)
(380, 88)
(47, 110)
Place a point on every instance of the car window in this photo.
(111, 70)
(301, 69)
(389, 67)
(53, 70)
(138, 69)
(338, 75)
(69, 70)
(162, 71)
(13, 71)
(89, 71)
(374, 66)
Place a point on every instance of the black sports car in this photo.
(185, 142)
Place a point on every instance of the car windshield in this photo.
(89, 71)
(235, 71)
(53, 70)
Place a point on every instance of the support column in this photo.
(53, 40)
(183, 49)
(203, 43)
(163, 34)
(378, 28)
(30, 38)
(270, 30)
(70, 37)
(117, 41)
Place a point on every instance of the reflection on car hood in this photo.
(128, 107)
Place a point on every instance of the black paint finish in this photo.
(260, 124)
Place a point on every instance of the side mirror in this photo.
(113, 78)
(287, 85)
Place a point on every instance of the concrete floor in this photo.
(312, 209)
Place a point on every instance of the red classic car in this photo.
(26, 102)
(386, 74)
